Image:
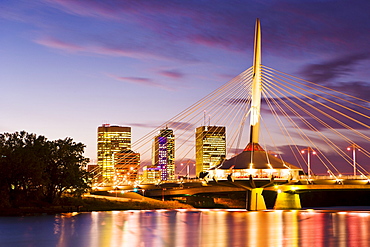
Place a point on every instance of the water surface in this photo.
(189, 228)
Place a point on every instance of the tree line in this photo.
(33, 168)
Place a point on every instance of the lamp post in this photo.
(182, 167)
(353, 147)
(187, 170)
(309, 151)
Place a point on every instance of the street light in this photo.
(273, 153)
(309, 151)
(187, 170)
(182, 167)
(353, 147)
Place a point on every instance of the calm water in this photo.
(189, 228)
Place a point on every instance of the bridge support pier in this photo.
(287, 200)
(256, 200)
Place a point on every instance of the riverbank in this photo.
(88, 203)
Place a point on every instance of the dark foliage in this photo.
(34, 168)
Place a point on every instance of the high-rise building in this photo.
(210, 147)
(163, 153)
(126, 166)
(111, 139)
(152, 174)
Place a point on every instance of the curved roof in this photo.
(259, 158)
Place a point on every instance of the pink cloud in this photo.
(173, 27)
(141, 81)
(87, 8)
(103, 49)
(119, 51)
(143, 125)
(172, 74)
(155, 16)
(59, 44)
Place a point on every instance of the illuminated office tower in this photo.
(111, 139)
(152, 174)
(126, 166)
(210, 148)
(163, 153)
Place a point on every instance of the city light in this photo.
(309, 152)
(353, 147)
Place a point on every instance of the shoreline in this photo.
(89, 203)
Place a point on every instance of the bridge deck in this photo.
(284, 186)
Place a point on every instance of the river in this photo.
(319, 228)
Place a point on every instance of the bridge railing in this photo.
(341, 177)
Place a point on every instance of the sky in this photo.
(69, 66)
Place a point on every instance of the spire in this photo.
(256, 86)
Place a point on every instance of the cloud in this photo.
(170, 124)
(325, 72)
(317, 112)
(52, 42)
(170, 29)
(296, 158)
(181, 126)
(357, 89)
(102, 47)
(142, 125)
(172, 74)
(172, 20)
(320, 114)
(104, 9)
(141, 81)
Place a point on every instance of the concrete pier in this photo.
(256, 200)
(287, 200)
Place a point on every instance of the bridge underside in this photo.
(243, 185)
(285, 195)
(254, 193)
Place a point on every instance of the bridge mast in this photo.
(256, 87)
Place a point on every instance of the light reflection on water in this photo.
(189, 228)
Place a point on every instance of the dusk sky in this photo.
(68, 66)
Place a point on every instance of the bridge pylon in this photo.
(287, 200)
(254, 162)
(255, 114)
(255, 201)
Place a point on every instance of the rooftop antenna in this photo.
(204, 118)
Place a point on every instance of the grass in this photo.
(88, 204)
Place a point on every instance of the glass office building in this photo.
(210, 148)
(111, 139)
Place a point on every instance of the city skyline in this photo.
(68, 66)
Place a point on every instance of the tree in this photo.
(21, 164)
(31, 167)
(64, 171)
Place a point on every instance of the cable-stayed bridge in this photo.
(283, 133)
